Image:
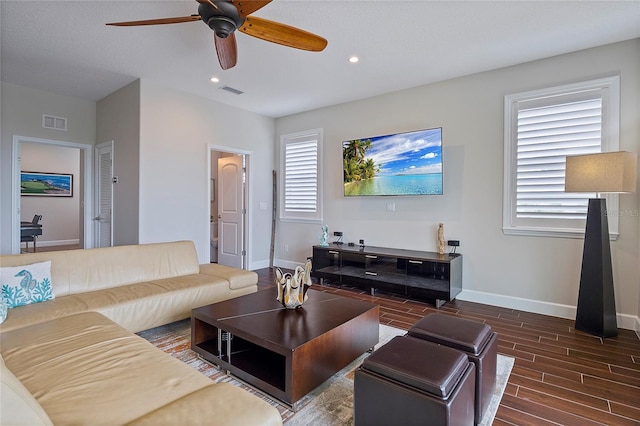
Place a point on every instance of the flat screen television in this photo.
(408, 163)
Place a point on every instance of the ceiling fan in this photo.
(224, 17)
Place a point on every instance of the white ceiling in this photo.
(64, 46)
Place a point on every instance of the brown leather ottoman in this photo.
(475, 339)
(411, 381)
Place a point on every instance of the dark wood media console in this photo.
(421, 274)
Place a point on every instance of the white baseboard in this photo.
(287, 264)
(625, 321)
(41, 243)
(259, 265)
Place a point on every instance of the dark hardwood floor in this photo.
(561, 376)
(41, 249)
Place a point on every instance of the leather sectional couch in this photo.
(76, 360)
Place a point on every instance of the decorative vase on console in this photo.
(292, 288)
(441, 244)
(324, 237)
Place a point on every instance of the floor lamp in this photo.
(610, 172)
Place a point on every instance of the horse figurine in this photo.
(293, 288)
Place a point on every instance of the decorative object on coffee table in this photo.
(441, 243)
(292, 288)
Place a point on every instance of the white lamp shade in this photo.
(605, 172)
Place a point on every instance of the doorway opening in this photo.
(41, 154)
(229, 177)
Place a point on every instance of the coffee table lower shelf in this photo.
(255, 365)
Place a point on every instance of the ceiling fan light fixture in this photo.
(223, 19)
(354, 59)
(222, 26)
(214, 80)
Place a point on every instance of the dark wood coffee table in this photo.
(285, 353)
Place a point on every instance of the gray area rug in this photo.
(329, 404)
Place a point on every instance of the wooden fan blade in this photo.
(247, 7)
(162, 21)
(283, 34)
(227, 51)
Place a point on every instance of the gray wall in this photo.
(119, 121)
(176, 129)
(533, 273)
(61, 216)
(21, 114)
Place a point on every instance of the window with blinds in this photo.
(300, 182)
(545, 136)
(542, 128)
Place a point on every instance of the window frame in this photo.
(566, 228)
(300, 137)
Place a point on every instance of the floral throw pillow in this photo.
(26, 284)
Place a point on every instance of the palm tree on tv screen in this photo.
(356, 167)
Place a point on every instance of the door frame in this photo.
(86, 166)
(96, 201)
(246, 261)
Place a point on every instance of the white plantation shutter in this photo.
(301, 176)
(542, 128)
(546, 135)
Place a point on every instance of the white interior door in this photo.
(104, 195)
(231, 211)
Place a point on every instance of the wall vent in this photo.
(232, 90)
(51, 122)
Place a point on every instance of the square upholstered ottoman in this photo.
(475, 339)
(410, 381)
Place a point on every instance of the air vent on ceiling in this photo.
(51, 122)
(232, 90)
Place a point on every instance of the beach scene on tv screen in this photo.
(399, 164)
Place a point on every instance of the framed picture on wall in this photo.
(46, 184)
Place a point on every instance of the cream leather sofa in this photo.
(138, 286)
(76, 360)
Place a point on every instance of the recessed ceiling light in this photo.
(354, 59)
(214, 79)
